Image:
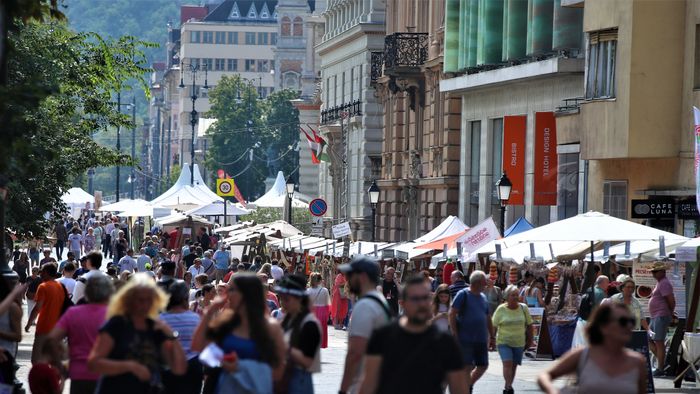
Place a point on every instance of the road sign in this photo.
(225, 187)
(318, 207)
(317, 226)
(341, 230)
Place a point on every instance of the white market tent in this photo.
(543, 251)
(450, 226)
(76, 199)
(216, 208)
(276, 197)
(147, 210)
(183, 194)
(645, 250)
(123, 205)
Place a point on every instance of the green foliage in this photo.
(271, 133)
(59, 94)
(301, 217)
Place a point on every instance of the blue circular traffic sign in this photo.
(318, 207)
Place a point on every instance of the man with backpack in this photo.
(369, 313)
(470, 322)
(591, 299)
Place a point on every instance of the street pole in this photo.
(170, 125)
(503, 218)
(374, 222)
(161, 150)
(193, 122)
(133, 145)
(119, 108)
(289, 209)
(156, 144)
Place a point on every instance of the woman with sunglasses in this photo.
(626, 297)
(605, 366)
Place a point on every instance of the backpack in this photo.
(67, 302)
(585, 308)
(389, 313)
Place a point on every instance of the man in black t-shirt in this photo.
(413, 344)
(391, 290)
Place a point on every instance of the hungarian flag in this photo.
(236, 192)
(316, 144)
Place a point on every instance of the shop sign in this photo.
(688, 209)
(546, 159)
(653, 209)
(514, 132)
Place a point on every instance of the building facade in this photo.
(351, 115)
(421, 136)
(514, 63)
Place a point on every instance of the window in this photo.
(235, 13)
(249, 65)
(232, 64)
(194, 62)
(233, 38)
(207, 37)
(220, 37)
(219, 64)
(600, 77)
(475, 141)
(263, 66)
(262, 38)
(252, 13)
(298, 26)
(273, 38)
(286, 26)
(207, 64)
(194, 36)
(615, 198)
(249, 38)
(567, 185)
(375, 167)
(264, 13)
(496, 157)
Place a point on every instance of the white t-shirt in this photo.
(367, 315)
(319, 296)
(195, 271)
(141, 262)
(75, 240)
(277, 272)
(79, 291)
(69, 283)
(127, 263)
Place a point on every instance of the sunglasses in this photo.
(424, 298)
(626, 321)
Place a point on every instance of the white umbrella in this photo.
(643, 249)
(216, 208)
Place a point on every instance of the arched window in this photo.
(298, 26)
(286, 26)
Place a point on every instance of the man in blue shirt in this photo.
(222, 257)
(470, 322)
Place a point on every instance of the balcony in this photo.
(376, 66)
(404, 53)
(343, 111)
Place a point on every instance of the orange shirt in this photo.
(51, 295)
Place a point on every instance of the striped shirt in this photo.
(184, 323)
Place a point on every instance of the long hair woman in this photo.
(134, 343)
(242, 331)
(303, 335)
(320, 302)
(441, 307)
(605, 365)
(339, 306)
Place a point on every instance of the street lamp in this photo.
(290, 195)
(194, 69)
(373, 192)
(504, 186)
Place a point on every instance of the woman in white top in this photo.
(441, 307)
(320, 301)
(605, 366)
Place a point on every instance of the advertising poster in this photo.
(514, 131)
(545, 159)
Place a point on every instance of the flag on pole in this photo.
(316, 144)
(696, 115)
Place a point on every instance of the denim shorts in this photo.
(508, 353)
(475, 353)
(659, 325)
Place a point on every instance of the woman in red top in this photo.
(339, 303)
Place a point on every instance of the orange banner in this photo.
(514, 131)
(545, 159)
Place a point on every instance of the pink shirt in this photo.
(657, 304)
(81, 323)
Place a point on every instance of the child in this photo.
(46, 375)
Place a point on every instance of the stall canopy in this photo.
(643, 250)
(182, 194)
(520, 225)
(146, 210)
(439, 244)
(542, 251)
(450, 226)
(180, 219)
(76, 199)
(276, 197)
(216, 208)
(123, 205)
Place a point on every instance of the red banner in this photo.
(514, 131)
(545, 159)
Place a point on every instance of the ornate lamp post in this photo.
(194, 69)
(504, 187)
(290, 195)
(373, 193)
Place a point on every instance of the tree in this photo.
(282, 119)
(61, 85)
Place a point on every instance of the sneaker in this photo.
(658, 373)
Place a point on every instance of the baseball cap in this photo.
(361, 264)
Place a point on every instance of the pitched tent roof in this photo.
(77, 196)
(518, 227)
(182, 193)
(222, 13)
(276, 197)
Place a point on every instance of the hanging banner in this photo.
(545, 159)
(696, 132)
(478, 236)
(514, 132)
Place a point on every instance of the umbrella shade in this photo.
(637, 248)
(439, 244)
(216, 208)
(592, 227)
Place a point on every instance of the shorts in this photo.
(659, 325)
(475, 353)
(509, 353)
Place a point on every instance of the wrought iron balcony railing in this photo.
(376, 66)
(342, 111)
(405, 50)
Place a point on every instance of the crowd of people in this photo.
(195, 319)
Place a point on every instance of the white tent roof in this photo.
(76, 196)
(177, 217)
(450, 226)
(183, 193)
(143, 210)
(592, 227)
(124, 205)
(276, 197)
(521, 252)
(637, 249)
(216, 208)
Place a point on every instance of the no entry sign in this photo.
(318, 207)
